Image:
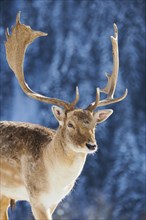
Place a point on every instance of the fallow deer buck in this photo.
(39, 164)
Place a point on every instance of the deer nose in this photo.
(91, 146)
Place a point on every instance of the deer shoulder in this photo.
(18, 139)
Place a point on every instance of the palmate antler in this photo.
(16, 46)
(112, 79)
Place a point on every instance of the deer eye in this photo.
(70, 125)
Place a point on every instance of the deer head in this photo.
(76, 125)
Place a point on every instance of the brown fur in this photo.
(23, 138)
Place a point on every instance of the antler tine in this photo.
(75, 100)
(7, 33)
(112, 79)
(18, 17)
(16, 46)
(112, 101)
(93, 105)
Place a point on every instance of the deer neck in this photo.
(62, 154)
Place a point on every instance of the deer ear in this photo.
(102, 115)
(58, 113)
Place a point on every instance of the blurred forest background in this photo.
(77, 51)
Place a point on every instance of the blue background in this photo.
(77, 51)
